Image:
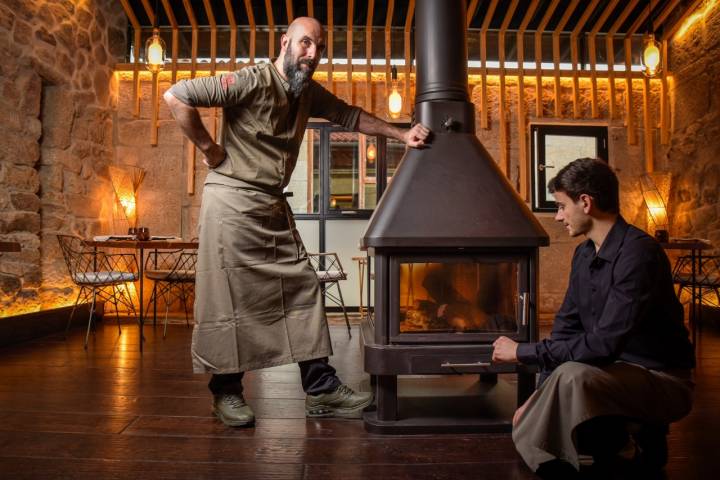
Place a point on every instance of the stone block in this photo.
(28, 202)
(22, 33)
(51, 178)
(20, 177)
(134, 133)
(9, 284)
(67, 158)
(58, 114)
(82, 205)
(7, 18)
(13, 221)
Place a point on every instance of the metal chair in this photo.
(98, 274)
(706, 277)
(329, 273)
(174, 274)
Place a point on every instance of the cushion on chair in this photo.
(99, 278)
(330, 275)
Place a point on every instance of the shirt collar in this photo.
(609, 248)
(283, 82)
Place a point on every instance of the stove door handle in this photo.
(460, 365)
(525, 300)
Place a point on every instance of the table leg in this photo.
(693, 299)
(140, 296)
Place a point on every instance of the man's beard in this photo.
(298, 78)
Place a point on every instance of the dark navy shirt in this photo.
(620, 305)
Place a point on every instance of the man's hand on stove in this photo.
(504, 350)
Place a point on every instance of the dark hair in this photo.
(590, 176)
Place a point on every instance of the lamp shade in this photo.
(654, 201)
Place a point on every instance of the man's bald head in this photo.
(300, 50)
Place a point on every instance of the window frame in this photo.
(538, 132)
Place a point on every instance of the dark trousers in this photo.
(317, 376)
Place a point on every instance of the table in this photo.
(141, 245)
(696, 248)
(9, 247)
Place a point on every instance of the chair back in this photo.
(77, 258)
(327, 266)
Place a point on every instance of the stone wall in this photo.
(56, 109)
(694, 155)
(166, 207)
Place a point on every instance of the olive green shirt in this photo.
(262, 124)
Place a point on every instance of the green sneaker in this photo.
(342, 402)
(232, 410)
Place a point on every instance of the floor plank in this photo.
(111, 412)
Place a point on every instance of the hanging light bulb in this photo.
(155, 52)
(371, 153)
(651, 57)
(394, 99)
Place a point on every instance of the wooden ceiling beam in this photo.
(289, 11)
(149, 11)
(175, 38)
(253, 30)
(213, 35)
(471, 12)
(233, 33)
(667, 34)
(271, 28)
(194, 48)
(408, 60)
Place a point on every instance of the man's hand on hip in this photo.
(214, 155)
(504, 350)
(415, 137)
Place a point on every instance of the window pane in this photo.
(395, 152)
(563, 149)
(352, 173)
(305, 180)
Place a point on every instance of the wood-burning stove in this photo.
(455, 248)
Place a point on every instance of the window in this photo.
(553, 147)
(305, 181)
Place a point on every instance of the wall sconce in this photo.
(155, 52)
(656, 207)
(651, 56)
(371, 153)
(394, 99)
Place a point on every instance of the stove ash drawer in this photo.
(438, 364)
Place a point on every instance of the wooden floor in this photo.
(109, 413)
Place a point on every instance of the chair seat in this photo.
(711, 280)
(100, 278)
(174, 275)
(330, 275)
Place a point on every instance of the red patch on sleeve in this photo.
(227, 80)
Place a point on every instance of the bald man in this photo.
(258, 303)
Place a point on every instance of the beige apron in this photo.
(257, 299)
(576, 392)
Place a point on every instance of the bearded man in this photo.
(258, 303)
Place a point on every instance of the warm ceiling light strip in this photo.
(686, 20)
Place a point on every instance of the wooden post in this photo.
(484, 114)
(524, 163)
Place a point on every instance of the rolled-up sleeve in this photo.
(226, 90)
(326, 105)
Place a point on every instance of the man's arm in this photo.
(188, 118)
(413, 137)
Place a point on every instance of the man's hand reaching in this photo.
(505, 350)
(214, 155)
(416, 136)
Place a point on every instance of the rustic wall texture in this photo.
(694, 156)
(56, 108)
